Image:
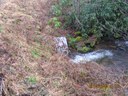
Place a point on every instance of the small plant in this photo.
(36, 53)
(55, 22)
(32, 79)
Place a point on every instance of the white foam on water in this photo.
(121, 43)
(92, 56)
(126, 43)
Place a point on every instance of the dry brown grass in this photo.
(24, 29)
(66, 79)
(20, 29)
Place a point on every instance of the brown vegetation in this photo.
(30, 65)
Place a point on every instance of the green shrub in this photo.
(102, 19)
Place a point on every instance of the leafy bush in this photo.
(102, 19)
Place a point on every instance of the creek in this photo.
(113, 55)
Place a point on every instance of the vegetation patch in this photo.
(36, 53)
(32, 80)
(100, 19)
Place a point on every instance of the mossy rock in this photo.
(77, 33)
(83, 49)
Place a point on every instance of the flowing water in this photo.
(119, 60)
(113, 55)
(91, 56)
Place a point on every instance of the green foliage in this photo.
(84, 49)
(72, 41)
(104, 19)
(32, 79)
(79, 44)
(56, 10)
(55, 22)
(36, 53)
(78, 38)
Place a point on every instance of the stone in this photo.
(61, 45)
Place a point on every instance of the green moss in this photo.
(78, 33)
(84, 49)
(78, 38)
(55, 22)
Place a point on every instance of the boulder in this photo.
(61, 45)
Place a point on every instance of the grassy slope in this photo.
(30, 65)
(19, 26)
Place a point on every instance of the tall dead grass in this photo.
(91, 79)
(18, 37)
